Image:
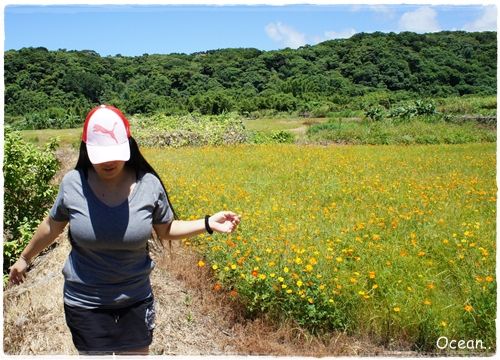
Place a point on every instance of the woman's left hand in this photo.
(224, 222)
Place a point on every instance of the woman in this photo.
(112, 202)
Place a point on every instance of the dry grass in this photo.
(192, 318)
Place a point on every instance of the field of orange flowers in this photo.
(396, 243)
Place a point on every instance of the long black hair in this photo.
(137, 162)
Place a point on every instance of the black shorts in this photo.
(106, 331)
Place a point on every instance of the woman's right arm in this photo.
(46, 233)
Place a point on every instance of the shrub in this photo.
(375, 113)
(49, 119)
(28, 191)
(191, 130)
(282, 136)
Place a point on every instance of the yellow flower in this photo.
(375, 286)
(201, 263)
(286, 270)
(313, 261)
(468, 308)
(396, 309)
(289, 291)
(443, 323)
(233, 267)
(299, 283)
(339, 259)
(310, 300)
(372, 274)
(353, 280)
(489, 279)
(281, 279)
(427, 302)
(215, 267)
(272, 275)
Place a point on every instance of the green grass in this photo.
(270, 125)
(416, 131)
(67, 137)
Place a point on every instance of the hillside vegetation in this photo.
(58, 88)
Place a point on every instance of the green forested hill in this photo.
(328, 76)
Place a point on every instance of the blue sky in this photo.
(162, 28)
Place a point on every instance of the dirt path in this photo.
(34, 318)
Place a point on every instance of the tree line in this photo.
(317, 79)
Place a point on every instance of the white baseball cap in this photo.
(106, 132)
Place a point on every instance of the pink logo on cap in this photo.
(99, 128)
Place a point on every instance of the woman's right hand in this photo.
(18, 272)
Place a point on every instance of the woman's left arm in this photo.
(224, 222)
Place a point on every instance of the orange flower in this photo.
(254, 273)
(234, 292)
(217, 287)
(468, 308)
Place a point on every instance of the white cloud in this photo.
(487, 22)
(344, 34)
(285, 35)
(421, 20)
(386, 11)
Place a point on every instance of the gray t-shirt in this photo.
(109, 264)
